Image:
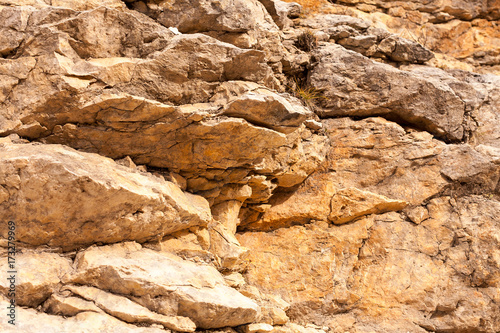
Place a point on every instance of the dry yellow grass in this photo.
(311, 6)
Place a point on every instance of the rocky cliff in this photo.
(249, 166)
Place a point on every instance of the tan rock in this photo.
(165, 284)
(68, 306)
(31, 321)
(129, 311)
(71, 4)
(257, 328)
(418, 214)
(227, 214)
(379, 157)
(268, 109)
(246, 24)
(310, 202)
(37, 275)
(351, 203)
(280, 11)
(416, 279)
(223, 244)
(295, 328)
(306, 265)
(348, 90)
(68, 213)
(278, 316)
(234, 279)
(187, 244)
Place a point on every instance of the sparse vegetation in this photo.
(306, 93)
(310, 6)
(307, 41)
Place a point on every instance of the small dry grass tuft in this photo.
(310, 6)
(309, 95)
(306, 41)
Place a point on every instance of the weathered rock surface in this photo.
(163, 283)
(463, 31)
(276, 170)
(358, 35)
(56, 194)
(384, 266)
(375, 166)
(243, 23)
(31, 321)
(39, 275)
(129, 311)
(353, 85)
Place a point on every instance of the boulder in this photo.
(55, 196)
(353, 85)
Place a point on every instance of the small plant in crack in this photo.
(309, 95)
(307, 41)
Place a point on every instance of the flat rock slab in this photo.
(164, 283)
(31, 321)
(56, 197)
(129, 311)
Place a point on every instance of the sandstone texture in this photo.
(250, 166)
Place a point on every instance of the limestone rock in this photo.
(267, 109)
(466, 10)
(364, 88)
(377, 156)
(244, 23)
(328, 21)
(381, 217)
(38, 276)
(70, 4)
(305, 265)
(31, 321)
(129, 311)
(281, 11)
(69, 213)
(351, 203)
(193, 244)
(164, 283)
(311, 201)
(231, 255)
(257, 328)
(68, 306)
(420, 274)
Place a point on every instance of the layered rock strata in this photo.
(240, 166)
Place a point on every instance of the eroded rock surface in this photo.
(330, 170)
(64, 198)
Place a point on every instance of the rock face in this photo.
(242, 166)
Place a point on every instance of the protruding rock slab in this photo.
(68, 306)
(357, 86)
(165, 284)
(63, 198)
(129, 311)
(31, 321)
(351, 203)
(268, 109)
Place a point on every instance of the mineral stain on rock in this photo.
(182, 166)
